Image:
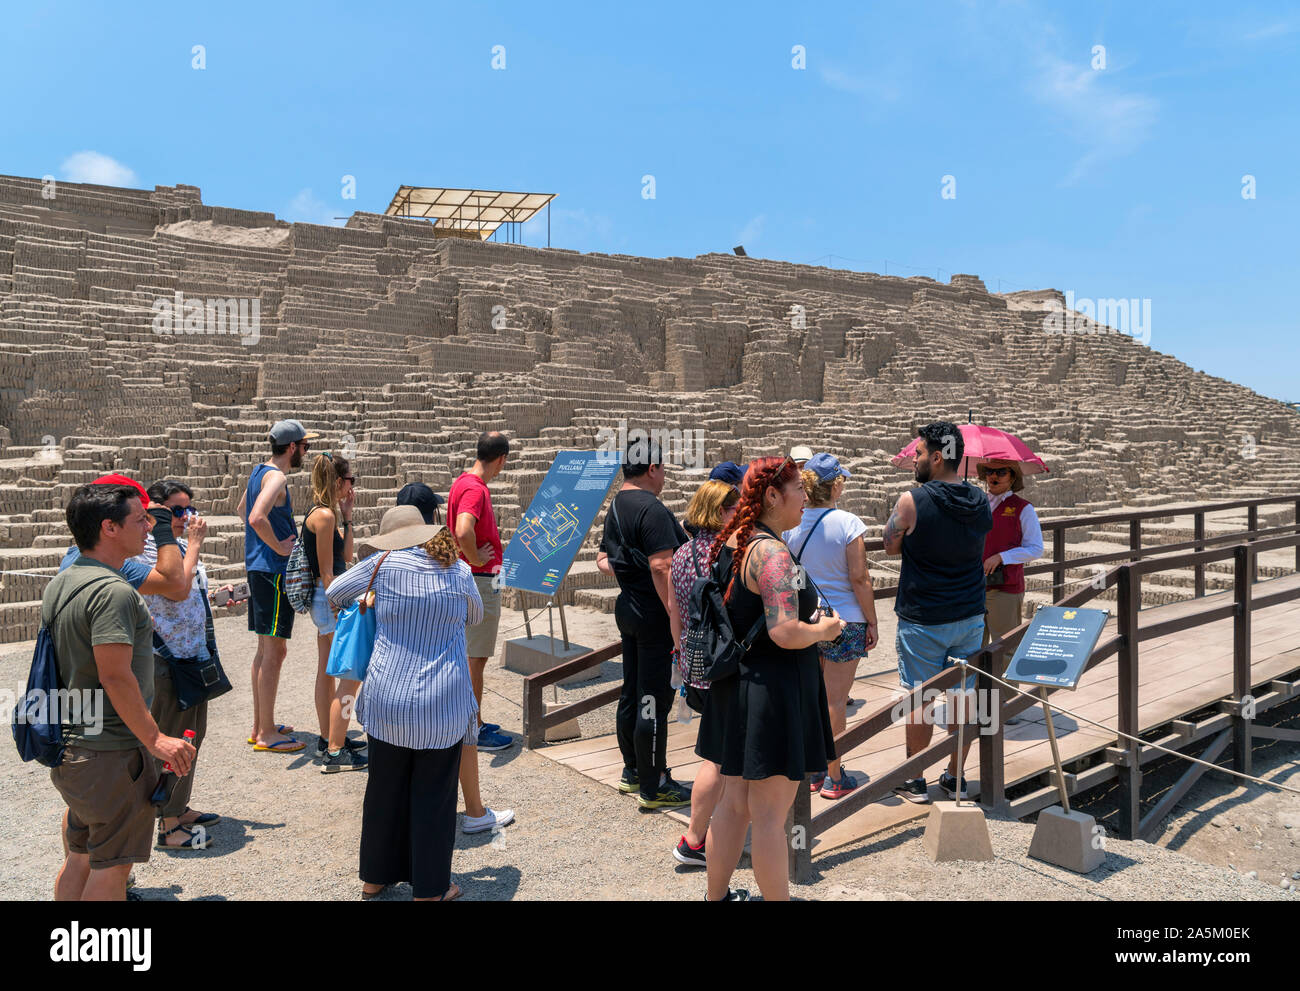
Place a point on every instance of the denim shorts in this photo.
(321, 613)
(923, 651)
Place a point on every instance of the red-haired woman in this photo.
(768, 725)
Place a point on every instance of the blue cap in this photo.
(728, 472)
(826, 467)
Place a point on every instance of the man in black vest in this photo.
(939, 529)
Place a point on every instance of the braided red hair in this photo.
(762, 474)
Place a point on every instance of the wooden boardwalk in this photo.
(1178, 675)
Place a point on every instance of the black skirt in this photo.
(771, 717)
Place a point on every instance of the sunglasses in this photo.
(996, 472)
(180, 512)
(349, 478)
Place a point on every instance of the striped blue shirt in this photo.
(417, 691)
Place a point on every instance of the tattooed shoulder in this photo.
(775, 570)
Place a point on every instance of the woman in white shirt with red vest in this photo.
(1015, 540)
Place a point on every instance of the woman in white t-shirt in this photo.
(828, 545)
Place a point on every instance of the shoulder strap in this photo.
(818, 522)
(105, 578)
(370, 584)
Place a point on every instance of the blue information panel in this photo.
(1056, 646)
(551, 531)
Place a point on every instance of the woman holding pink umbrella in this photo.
(1015, 540)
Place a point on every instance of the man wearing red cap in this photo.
(167, 577)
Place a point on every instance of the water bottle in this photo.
(167, 780)
(684, 713)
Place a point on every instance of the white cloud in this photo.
(1109, 122)
(753, 231)
(305, 208)
(1278, 30)
(93, 167)
(881, 88)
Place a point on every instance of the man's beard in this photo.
(295, 459)
(922, 472)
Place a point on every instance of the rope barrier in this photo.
(1141, 743)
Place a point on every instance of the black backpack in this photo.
(37, 720)
(712, 651)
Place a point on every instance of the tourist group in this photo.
(130, 614)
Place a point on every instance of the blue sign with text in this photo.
(551, 531)
(1056, 646)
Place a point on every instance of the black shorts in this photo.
(269, 612)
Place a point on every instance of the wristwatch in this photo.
(346, 524)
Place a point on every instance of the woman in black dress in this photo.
(768, 725)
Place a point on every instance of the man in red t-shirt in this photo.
(469, 510)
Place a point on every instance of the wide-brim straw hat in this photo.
(401, 527)
(1017, 476)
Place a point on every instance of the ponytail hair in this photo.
(762, 474)
(325, 475)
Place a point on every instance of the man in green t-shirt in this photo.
(104, 641)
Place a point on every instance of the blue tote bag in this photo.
(354, 636)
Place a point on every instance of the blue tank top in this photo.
(943, 575)
(258, 556)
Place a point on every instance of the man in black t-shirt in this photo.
(637, 549)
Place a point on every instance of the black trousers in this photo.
(647, 697)
(408, 819)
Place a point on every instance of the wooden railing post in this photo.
(1241, 726)
(1297, 546)
(1198, 533)
(799, 831)
(1130, 775)
(1058, 558)
(1252, 524)
(993, 792)
(1135, 538)
(534, 732)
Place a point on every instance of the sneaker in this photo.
(489, 820)
(490, 727)
(815, 784)
(949, 784)
(629, 782)
(490, 740)
(733, 895)
(344, 760)
(913, 790)
(323, 746)
(671, 794)
(689, 855)
(838, 789)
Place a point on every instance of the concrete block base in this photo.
(529, 655)
(957, 832)
(567, 730)
(1066, 839)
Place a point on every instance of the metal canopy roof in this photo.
(481, 211)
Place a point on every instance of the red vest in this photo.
(1005, 535)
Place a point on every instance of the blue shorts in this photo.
(321, 614)
(923, 651)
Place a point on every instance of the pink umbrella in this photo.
(983, 444)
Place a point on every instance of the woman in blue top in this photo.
(417, 704)
(828, 545)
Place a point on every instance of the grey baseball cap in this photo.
(288, 431)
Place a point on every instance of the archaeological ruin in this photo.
(146, 332)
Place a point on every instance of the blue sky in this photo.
(1122, 181)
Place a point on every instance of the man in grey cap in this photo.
(269, 533)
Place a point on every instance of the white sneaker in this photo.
(488, 820)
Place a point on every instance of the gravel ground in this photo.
(290, 833)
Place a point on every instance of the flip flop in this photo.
(193, 841)
(286, 730)
(280, 748)
(456, 893)
(204, 819)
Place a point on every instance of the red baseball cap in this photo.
(123, 480)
